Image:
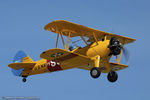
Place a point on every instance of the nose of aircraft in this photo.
(115, 46)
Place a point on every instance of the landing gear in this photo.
(24, 79)
(95, 72)
(112, 76)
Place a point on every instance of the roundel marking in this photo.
(53, 66)
(116, 68)
(57, 54)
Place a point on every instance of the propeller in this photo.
(115, 47)
(126, 54)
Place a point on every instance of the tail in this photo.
(20, 57)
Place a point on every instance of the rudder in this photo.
(20, 56)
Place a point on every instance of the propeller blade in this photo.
(126, 54)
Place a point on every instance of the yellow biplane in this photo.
(95, 56)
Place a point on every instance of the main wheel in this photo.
(112, 76)
(95, 72)
(24, 79)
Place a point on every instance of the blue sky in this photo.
(21, 28)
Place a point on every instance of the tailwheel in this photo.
(24, 79)
(112, 76)
(95, 72)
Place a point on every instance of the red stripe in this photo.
(53, 66)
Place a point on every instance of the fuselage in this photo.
(44, 66)
(100, 48)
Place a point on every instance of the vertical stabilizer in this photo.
(20, 56)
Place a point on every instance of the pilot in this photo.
(70, 48)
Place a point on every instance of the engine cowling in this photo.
(115, 46)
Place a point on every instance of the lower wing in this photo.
(66, 59)
(114, 67)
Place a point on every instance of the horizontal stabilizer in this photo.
(21, 65)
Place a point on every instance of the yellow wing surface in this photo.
(66, 59)
(66, 27)
(114, 66)
(18, 66)
(117, 67)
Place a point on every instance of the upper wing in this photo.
(67, 59)
(18, 66)
(66, 27)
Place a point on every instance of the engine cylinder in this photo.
(115, 46)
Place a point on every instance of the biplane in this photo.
(94, 56)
